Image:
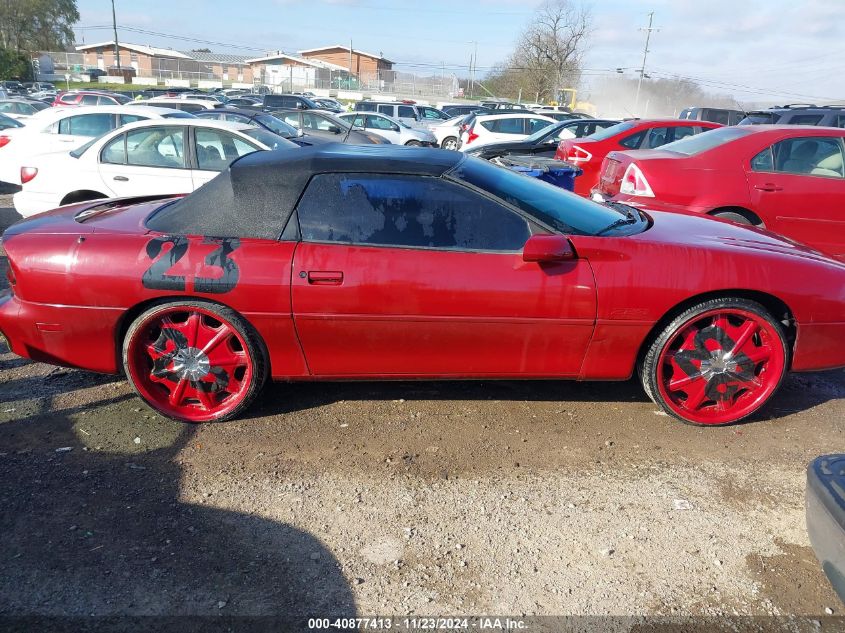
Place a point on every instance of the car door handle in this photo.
(325, 277)
(768, 187)
(121, 178)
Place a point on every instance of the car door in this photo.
(403, 275)
(150, 160)
(797, 187)
(215, 150)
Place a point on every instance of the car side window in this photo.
(156, 147)
(131, 118)
(634, 140)
(106, 101)
(291, 118)
(236, 118)
(93, 124)
(657, 136)
(216, 149)
(378, 123)
(89, 100)
(359, 120)
(406, 211)
(115, 152)
(386, 109)
(805, 119)
(535, 125)
(366, 107)
(68, 99)
(682, 131)
(813, 156)
(406, 112)
(514, 125)
(764, 161)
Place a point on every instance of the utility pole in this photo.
(350, 64)
(648, 31)
(116, 47)
(473, 64)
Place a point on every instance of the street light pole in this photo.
(648, 31)
(116, 47)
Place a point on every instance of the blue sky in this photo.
(781, 50)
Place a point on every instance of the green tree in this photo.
(14, 65)
(37, 25)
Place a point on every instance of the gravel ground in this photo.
(406, 498)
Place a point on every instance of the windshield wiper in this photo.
(631, 217)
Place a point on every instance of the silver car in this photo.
(394, 130)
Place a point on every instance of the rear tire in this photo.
(716, 363)
(413, 144)
(450, 142)
(194, 361)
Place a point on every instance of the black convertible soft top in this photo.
(257, 194)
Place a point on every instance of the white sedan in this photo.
(490, 128)
(145, 158)
(448, 133)
(64, 129)
(394, 130)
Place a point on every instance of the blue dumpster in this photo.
(556, 172)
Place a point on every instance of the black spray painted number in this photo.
(156, 277)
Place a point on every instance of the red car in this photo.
(387, 262)
(789, 179)
(589, 152)
(89, 97)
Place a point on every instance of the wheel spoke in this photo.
(192, 329)
(745, 334)
(721, 321)
(696, 395)
(205, 398)
(224, 333)
(178, 392)
(679, 383)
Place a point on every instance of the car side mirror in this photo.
(547, 248)
(334, 129)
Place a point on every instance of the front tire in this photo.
(716, 363)
(413, 144)
(194, 361)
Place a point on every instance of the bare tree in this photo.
(548, 53)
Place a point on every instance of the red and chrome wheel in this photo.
(194, 361)
(716, 363)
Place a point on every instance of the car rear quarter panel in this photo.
(77, 293)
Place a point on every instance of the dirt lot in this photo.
(430, 498)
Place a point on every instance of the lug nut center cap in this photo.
(191, 363)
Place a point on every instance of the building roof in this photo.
(312, 51)
(315, 63)
(153, 51)
(220, 58)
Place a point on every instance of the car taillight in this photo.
(28, 173)
(471, 135)
(578, 155)
(5, 140)
(634, 183)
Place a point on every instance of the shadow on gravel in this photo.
(88, 532)
(799, 392)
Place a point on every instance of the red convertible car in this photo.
(337, 263)
(789, 179)
(589, 152)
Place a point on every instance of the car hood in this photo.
(693, 231)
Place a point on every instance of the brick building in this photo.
(365, 66)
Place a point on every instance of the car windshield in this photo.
(277, 126)
(692, 145)
(273, 141)
(760, 118)
(7, 122)
(613, 130)
(553, 206)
